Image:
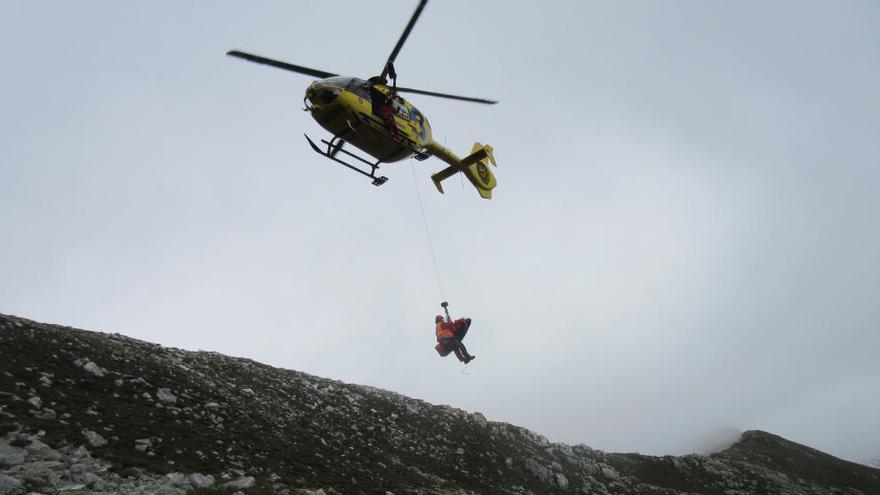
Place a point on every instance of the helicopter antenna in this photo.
(389, 65)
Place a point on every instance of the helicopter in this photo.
(373, 117)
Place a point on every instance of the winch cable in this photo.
(427, 232)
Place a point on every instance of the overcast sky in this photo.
(683, 240)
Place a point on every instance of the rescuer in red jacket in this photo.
(449, 335)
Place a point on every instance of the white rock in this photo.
(94, 439)
(177, 479)
(608, 472)
(94, 369)
(165, 395)
(81, 453)
(70, 488)
(242, 483)
(198, 480)
(562, 481)
(36, 402)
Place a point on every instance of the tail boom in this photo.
(475, 167)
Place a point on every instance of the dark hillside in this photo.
(800, 461)
(87, 412)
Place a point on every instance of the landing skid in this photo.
(334, 147)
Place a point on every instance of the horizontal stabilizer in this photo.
(443, 175)
(474, 157)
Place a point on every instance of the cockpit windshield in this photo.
(359, 87)
(340, 81)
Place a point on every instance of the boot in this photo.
(461, 357)
(469, 359)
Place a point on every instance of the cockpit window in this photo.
(359, 87)
(337, 81)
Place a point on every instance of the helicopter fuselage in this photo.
(374, 118)
(370, 117)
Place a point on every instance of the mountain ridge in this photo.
(153, 419)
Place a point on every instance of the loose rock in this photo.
(8, 484)
(242, 483)
(10, 456)
(94, 438)
(198, 480)
(164, 395)
(94, 369)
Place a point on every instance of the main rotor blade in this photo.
(443, 95)
(281, 65)
(402, 40)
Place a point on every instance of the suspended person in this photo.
(450, 334)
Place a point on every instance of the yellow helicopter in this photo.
(372, 116)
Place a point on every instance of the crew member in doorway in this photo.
(388, 116)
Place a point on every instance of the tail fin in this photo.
(475, 167)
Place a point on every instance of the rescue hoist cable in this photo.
(427, 232)
(445, 306)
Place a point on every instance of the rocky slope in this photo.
(87, 412)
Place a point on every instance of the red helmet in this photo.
(438, 319)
